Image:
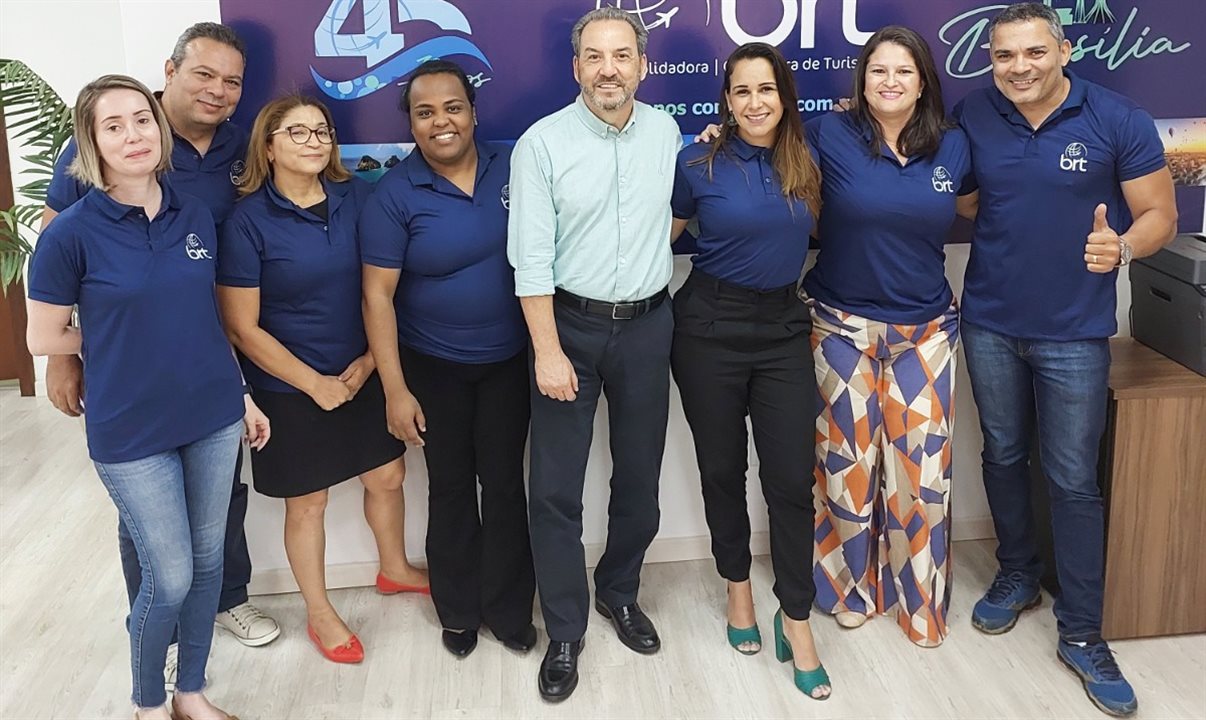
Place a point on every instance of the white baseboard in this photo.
(973, 528)
(363, 574)
(15, 384)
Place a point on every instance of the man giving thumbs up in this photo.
(1071, 177)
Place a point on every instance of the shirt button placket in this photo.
(145, 225)
(622, 199)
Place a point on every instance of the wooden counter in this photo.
(1154, 482)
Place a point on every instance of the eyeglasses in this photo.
(300, 134)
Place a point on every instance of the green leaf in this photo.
(39, 120)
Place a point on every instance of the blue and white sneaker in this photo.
(1104, 683)
(1009, 595)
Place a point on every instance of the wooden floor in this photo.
(64, 654)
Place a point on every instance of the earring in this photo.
(732, 121)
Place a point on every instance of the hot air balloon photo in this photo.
(1185, 149)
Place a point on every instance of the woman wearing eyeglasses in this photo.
(289, 290)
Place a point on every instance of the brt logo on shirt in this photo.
(1073, 159)
(237, 168)
(194, 249)
(942, 180)
(506, 197)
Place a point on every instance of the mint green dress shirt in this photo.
(590, 205)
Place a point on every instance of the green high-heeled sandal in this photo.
(738, 636)
(806, 680)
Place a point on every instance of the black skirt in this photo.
(312, 449)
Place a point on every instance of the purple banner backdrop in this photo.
(356, 54)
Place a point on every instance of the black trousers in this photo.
(736, 352)
(236, 560)
(628, 361)
(477, 424)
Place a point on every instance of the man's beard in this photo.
(607, 105)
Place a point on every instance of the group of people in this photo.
(478, 291)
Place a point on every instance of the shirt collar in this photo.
(744, 150)
(596, 125)
(1076, 97)
(865, 131)
(116, 210)
(420, 172)
(335, 192)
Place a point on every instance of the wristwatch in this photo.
(1127, 252)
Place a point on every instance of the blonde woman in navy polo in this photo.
(885, 335)
(164, 397)
(289, 287)
(440, 304)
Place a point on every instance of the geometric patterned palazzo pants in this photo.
(883, 473)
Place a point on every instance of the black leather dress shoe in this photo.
(633, 627)
(459, 643)
(522, 641)
(559, 670)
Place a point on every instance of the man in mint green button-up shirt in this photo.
(589, 204)
(589, 237)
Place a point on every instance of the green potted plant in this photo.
(38, 120)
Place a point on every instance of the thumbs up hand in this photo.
(1103, 249)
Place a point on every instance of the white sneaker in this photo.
(170, 668)
(249, 626)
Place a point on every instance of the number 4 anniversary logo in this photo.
(386, 55)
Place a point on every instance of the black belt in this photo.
(720, 287)
(615, 311)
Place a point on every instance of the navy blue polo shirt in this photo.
(749, 234)
(456, 295)
(883, 224)
(308, 271)
(210, 177)
(1038, 191)
(158, 371)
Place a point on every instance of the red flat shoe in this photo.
(385, 586)
(350, 653)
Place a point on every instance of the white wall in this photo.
(136, 36)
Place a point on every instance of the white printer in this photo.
(1168, 301)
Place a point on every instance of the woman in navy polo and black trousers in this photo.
(741, 343)
(289, 286)
(440, 304)
(164, 398)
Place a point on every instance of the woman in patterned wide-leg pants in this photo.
(884, 469)
(885, 330)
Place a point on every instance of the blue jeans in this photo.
(174, 504)
(236, 560)
(1064, 385)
